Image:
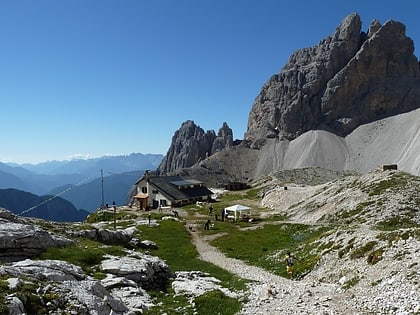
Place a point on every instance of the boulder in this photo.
(149, 272)
(19, 239)
(196, 283)
(48, 270)
(110, 237)
(67, 283)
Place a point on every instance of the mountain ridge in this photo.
(111, 177)
(339, 104)
(47, 207)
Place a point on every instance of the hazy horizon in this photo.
(78, 157)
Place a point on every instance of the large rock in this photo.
(123, 291)
(110, 237)
(196, 283)
(149, 272)
(44, 270)
(72, 290)
(20, 239)
(348, 79)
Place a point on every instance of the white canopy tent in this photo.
(237, 211)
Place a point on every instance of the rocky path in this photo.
(271, 294)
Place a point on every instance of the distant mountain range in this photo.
(44, 177)
(44, 207)
(77, 181)
(89, 195)
(92, 167)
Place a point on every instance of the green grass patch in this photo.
(351, 283)
(210, 303)
(175, 247)
(362, 250)
(396, 223)
(31, 300)
(4, 287)
(216, 303)
(397, 180)
(169, 303)
(108, 215)
(265, 247)
(396, 235)
(86, 254)
(346, 249)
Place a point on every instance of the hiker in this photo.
(290, 261)
(150, 216)
(207, 225)
(210, 210)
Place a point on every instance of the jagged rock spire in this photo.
(348, 79)
(191, 144)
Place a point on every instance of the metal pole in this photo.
(102, 182)
(115, 215)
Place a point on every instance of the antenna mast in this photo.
(102, 182)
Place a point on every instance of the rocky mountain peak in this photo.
(191, 144)
(350, 78)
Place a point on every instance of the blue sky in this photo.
(95, 77)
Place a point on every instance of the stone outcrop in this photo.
(149, 272)
(72, 290)
(109, 237)
(191, 144)
(62, 287)
(20, 239)
(348, 79)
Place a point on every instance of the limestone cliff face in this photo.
(191, 144)
(348, 79)
(306, 114)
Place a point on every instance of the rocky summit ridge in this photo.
(191, 144)
(338, 105)
(350, 78)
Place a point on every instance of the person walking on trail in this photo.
(207, 225)
(290, 262)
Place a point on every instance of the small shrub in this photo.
(375, 283)
(30, 299)
(394, 182)
(346, 249)
(375, 256)
(351, 283)
(395, 223)
(3, 291)
(361, 251)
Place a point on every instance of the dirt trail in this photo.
(269, 293)
(213, 255)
